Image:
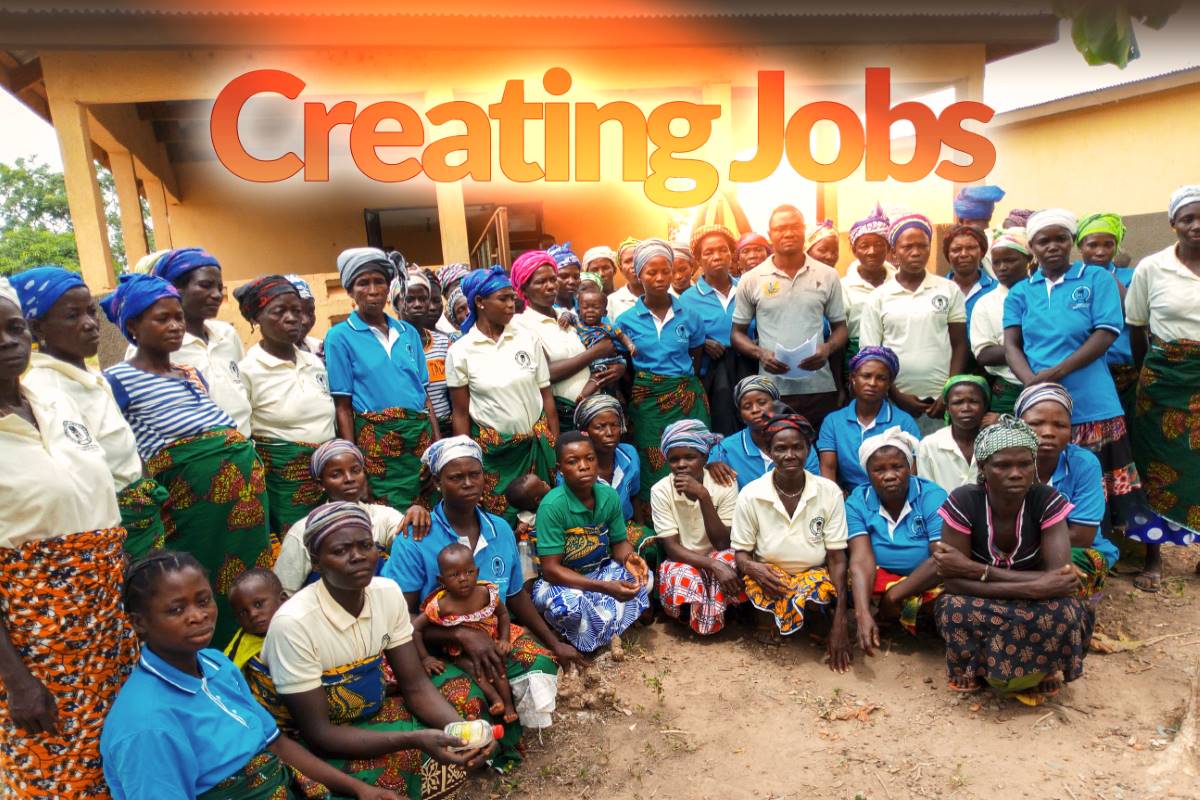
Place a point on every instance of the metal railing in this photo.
(492, 245)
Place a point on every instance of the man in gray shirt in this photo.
(790, 297)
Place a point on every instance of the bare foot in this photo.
(511, 715)
(963, 684)
(496, 707)
(617, 649)
(1051, 686)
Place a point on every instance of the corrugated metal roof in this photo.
(1106, 94)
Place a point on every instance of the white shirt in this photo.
(915, 324)
(288, 401)
(217, 360)
(856, 290)
(662, 323)
(311, 634)
(89, 391)
(620, 301)
(940, 460)
(505, 378)
(762, 527)
(558, 344)
(1165, 296)
(676, 515)
(987, 328)
(294, 564)
(54, 480)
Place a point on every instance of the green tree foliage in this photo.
(1103, 31)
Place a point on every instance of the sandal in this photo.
(1149, 582)
(971, 688)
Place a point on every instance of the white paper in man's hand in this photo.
(793, 356)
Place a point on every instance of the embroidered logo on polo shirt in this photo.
(524, 360)
(323, 381)
(79, 434)
(939, 302)
(771, 289)
(918, 525)
(816, 529)
(233, 370)
(497, 566)
(681, 332)
(1081, 296)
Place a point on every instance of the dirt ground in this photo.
(727, 717)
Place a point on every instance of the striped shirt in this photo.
(968, 512)
(161, 409)
(435, 360)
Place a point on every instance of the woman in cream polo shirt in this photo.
(291, 408)
(499, 383)
(66, 645)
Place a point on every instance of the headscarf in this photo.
(1104, 222)
(649, 249)
(326, 519)
(593, 406)
(1012, 238)
(1030, 396)
(974, 380)
(357, 260)
(1017, 218)
(977, 202)
(134, 294)
(528, 263)
(684, 252)
(178, 264)
(8, 292)
(884, 355)
(593, 277)
(563, 255)
(39, 288)
(906, 221)
(790, 422)
(302, 287)
(481, 283)
(965, 230)
(822, 230)
(754, 383)
(330, 450)
(1008, 432)
(1048, 218)
(749, 240)
(689, 433)
(701, 232)
(256, 295)
(145, 264)
(443, 451)
(599, 251)
(456, 297)
(402, 283)
(398, 260)
(451, 273)
(1183, 196)
(629, 242)
(894, 436)
(874, 223)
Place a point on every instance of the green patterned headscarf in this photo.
(1008, 432)
(974, 380)
(1111, 224)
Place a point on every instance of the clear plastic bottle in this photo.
(526, 557)
(477, 733)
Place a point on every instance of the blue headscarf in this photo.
(563, 255)
(648, 249)
(977, 202)
(302, 287)
(178, 264)
(135, 293)
(39, 288)
(481, 283)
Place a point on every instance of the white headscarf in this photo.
(1183, 196)
(1048, 218)
(443, 451)
(894, 436)
(8, 292)
(600, 251)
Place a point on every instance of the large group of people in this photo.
(281, 571)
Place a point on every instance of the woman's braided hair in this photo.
(141, 577)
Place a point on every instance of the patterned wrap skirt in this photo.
(1013, 645)
(590, 620)
(1109, 440)
(810, 586)
(264, 777)
(392, 442)
(657, 401)
(141, 504)
(507, 456)
(912, 607)
(683, 586)
(1166, 442)
(61, 601)
(216, 510)
(292, 491)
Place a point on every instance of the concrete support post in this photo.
(156, 196)
(133, 228)
(452, 211)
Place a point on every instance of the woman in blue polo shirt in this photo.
(185, 723)
(1075, 472)
(712, 299)
(669, 338)
(1099, 237)
(872, 371)
(891, 522)
(456, 464)
(377, 376)
(1058, 324)
(965, 247)
(743, 456)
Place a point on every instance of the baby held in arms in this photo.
(466, 600)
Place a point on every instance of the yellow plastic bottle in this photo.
(476, 734)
